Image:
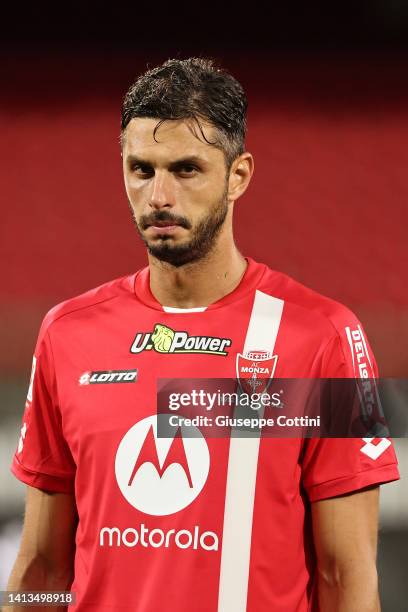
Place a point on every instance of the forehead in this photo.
(172, 139)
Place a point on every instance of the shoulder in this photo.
(89, 303)
(346, 350)
(307, 304)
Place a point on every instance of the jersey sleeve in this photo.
(42, 458)
(335, 466)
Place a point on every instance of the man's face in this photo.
(176, 186)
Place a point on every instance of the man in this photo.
(129, 520)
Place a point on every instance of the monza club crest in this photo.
(255, 369)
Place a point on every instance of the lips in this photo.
(163, 224)
(164, 229)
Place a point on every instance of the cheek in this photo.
(136, 192)
(202, 194)
(131, 183)
(211, 198)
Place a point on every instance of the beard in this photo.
(202, 240)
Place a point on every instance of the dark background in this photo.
(328, 126)
(366, 24)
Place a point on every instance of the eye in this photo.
(142, 170)
(187, 170)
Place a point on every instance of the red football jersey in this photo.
(205, 524)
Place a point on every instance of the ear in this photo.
(240, 175)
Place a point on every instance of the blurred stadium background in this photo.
(328, 125)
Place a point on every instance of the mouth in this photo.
(163, 228)
(160, 224)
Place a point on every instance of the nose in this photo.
(161, 194)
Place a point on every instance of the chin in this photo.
(165, 243)
(176, 255)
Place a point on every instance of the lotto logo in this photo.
(375, 450)
(107, 376)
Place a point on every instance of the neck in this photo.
(198, 283)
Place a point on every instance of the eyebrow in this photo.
(190, 159)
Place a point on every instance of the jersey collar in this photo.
(249, 281)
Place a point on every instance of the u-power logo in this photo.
(163, 339)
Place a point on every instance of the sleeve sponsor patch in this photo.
(363, 368)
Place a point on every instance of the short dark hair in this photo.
(191, 88)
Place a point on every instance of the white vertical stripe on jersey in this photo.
(242, 469)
